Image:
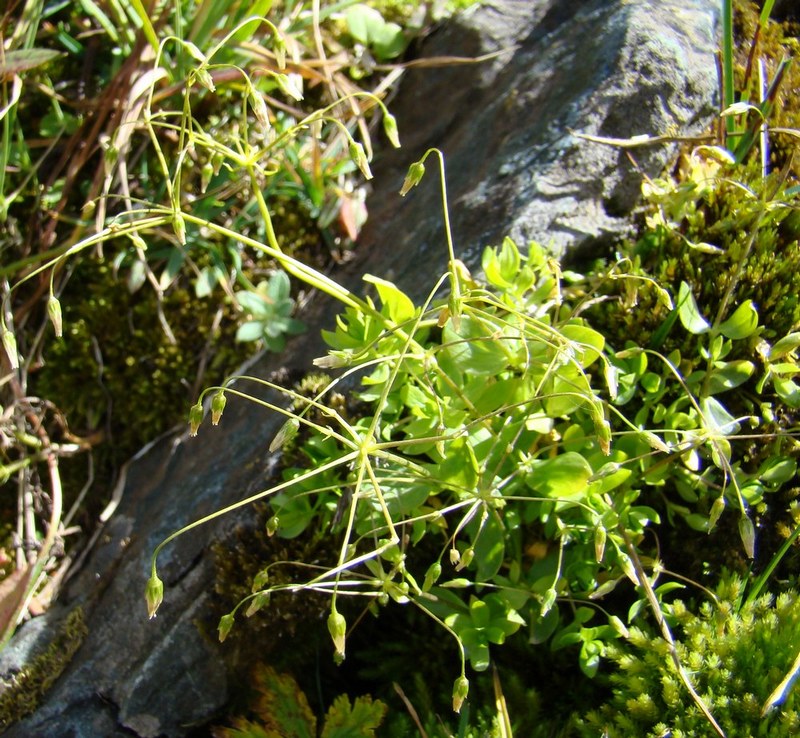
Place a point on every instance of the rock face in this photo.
(612, 69)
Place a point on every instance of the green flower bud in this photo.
(179, 226)
(748, 535)
(716, 510)
(195, 52)
(260, 600)
(548, 600)
(54, 312)
(432, 575)
(337, 627)
(286, 433)
(154, 594)
(466, 558)
(334, 360)
(195, 418)
(272, 525)
(279, 48)
(202, 75)
(290, 85)
(359, 156)
(460, 692)
(225, 625)
(10, 345)
(390, 129)
(260, 580)
(599, 543)
(217, 406)
(260, 109)
(415, 174)
(138, 241)
(206, 173)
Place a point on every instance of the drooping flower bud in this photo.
(260, 600)
(217, 406)
(10, 345)
(154, 594)
(260, 109)
(466, 558)
(195, 418)
(286, 433)
(716, 510)
(224, 627)
(179, 226)
(359, 156)
(337, 627)
(460, 692)
(415, 174)
(390, 129)
(432, 575)
(54, 313)
(291, 85)
(279, 48)
(599, 543)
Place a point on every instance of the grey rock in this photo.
(610, 69)
(513, 167)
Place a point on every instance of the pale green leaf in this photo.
(689, 313)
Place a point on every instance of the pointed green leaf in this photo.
(399, 305)
(742, 323)
(717, 419)
(784, 346)
(689, 313)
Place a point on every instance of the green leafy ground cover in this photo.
(543, 470)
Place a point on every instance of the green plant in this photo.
(281, 709)
(738, 653)
(270, 308)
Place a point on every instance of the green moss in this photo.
(736, 657)
(22, 696)
(117, 377)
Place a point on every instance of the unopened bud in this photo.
(224, 627)
(466, 558)
(179, 226)
(280, 51)
(290, 85)
(337, 627)
(390, 129)
(460, 692)
(359, 156)
(599, 543)
(260, 580)
(260, 600)
(748, 535)
(260, 109)
(195, 418)
(54, 313)
(272, 525)
(206, 173)
(154, 594)
(432, 575)
(10, 345)
(334, 360)
(217, 406)
(286, 433)
(203, 76)
(716, 510)
(415, 174)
